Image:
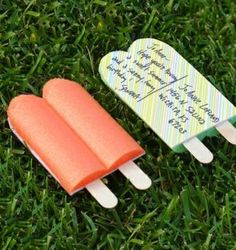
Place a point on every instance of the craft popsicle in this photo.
(170, 95)
(65, 154)
(43, 130)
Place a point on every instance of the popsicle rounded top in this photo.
(66, 156)
(104, 136)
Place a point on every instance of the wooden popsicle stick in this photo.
(198, 150)
(102, 194)
(135, 175)
(228, 131)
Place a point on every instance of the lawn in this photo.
(190, 205)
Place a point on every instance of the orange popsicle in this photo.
(64, 154)
(58, 148)
(103, 135)
(75, 139)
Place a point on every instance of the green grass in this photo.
(190, 206)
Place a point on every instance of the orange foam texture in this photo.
(103, 135)
(66, 156)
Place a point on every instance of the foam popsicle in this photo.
(58, 147)
(103, 135)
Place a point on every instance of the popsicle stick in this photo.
(228, 131)
(135, 175)
(102, 194)
(199, 150)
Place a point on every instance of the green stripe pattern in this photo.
(165, 91)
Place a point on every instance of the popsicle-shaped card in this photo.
(170, 95)
(75, 139)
